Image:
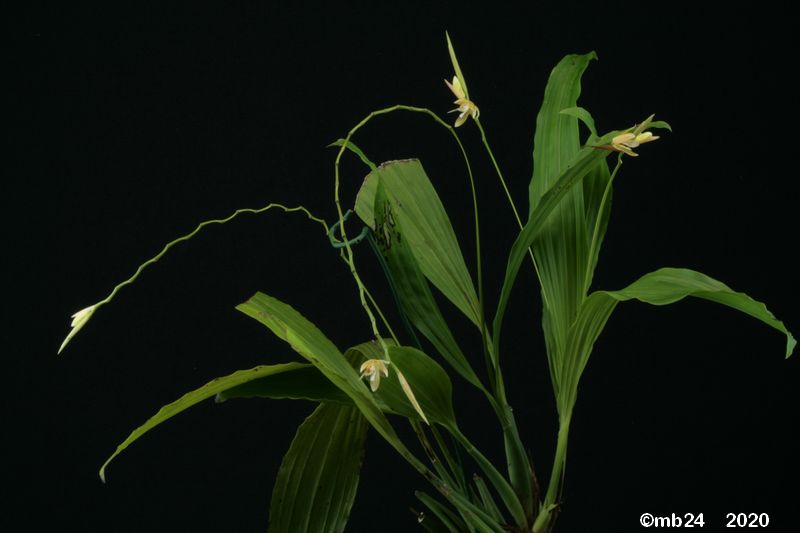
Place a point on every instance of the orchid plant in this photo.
(402, 372)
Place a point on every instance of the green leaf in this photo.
(668, 285)
(208, 390)
(582, 115)
(556, 140)
(426, 229)
(412, 289)
(661, 125)
(486, 498)
(307, 340)
(562, 248)
(356, 150)
(318, 477)
(661, 287)
(305, 382)
(443, 518)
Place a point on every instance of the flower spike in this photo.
(79, 320)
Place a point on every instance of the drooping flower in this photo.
(466, 107)
(79, 320)
(626, 141)
(372, 370)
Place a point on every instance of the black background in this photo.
(139, 122)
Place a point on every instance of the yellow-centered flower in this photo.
(626, 141)
(372, 370)
(466, 107)
(79, 320)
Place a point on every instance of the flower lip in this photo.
(372, 370)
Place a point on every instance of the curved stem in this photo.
(382, 316)
(200, 226)
(510, 199)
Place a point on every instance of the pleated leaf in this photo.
(318, 477)
(412, 289)
(562, 247)
(278, 374)
(426, 229)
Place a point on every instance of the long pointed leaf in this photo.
(556, 140)
(486, 498)
(668, 285)
(661, 287)
(426, 228)
(412, 288)
(447, 518)
(562, 247)
(208, 390)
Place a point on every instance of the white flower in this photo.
(79, 320)
(466, 107)
(372, 370)
(626, 141)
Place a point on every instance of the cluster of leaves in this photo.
(412, 237)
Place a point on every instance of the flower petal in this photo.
(456, 88)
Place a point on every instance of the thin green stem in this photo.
(382, 316)
(349, 259)
(596, 232)
(510, 198)
(200, 226)
(543, 521)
